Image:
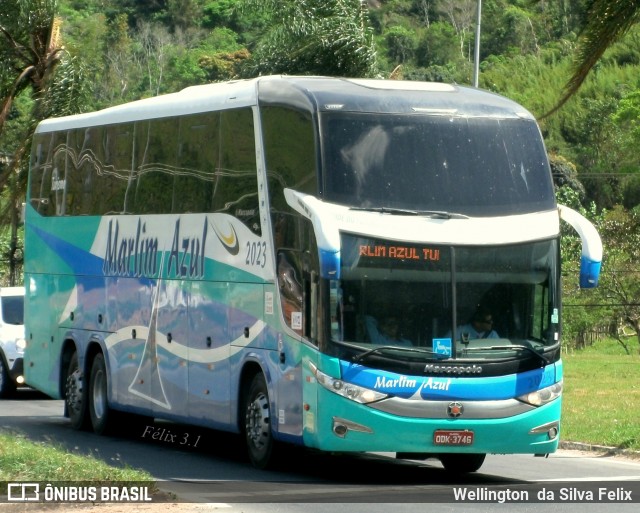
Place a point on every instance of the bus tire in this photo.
(101, 415)
(257, 423)
(461, 463)
(75, 395)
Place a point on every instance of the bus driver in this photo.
(481, 326)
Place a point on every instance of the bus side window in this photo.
(156, 154)
(235, 190)
(298, 271)
(89, 166)
(41, 166)
(197, 156)
(291, 287)
(111, 181)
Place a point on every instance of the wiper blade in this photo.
(544, 359)
(442, 214)
(437, 214)
(382, 349)
(387, 210)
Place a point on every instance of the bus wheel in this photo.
(461, 463)
(75, 395)
(257, 426)
(99, 411)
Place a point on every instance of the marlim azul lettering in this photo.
(135, 256)
(138, 255)
(405, 382)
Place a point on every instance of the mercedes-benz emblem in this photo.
(455, 409)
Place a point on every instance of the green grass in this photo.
(601, 403)
(24, 460)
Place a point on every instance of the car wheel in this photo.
(7, 386)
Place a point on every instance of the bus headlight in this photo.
(542, 396)
(349, 390)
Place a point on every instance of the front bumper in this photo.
(534, 431)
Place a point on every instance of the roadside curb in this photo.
(600, 449)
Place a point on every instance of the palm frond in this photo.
(608, 21)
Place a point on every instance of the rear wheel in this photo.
(102, 417)
(462, 463)
(257, 423)
(75, 395)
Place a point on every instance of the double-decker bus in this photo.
(227, 256)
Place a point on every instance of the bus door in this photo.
(298, 290)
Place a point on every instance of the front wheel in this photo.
(99, 411)
(462, 463)
(257, 423)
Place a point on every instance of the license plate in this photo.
(451, 437)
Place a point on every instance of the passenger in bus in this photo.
(481, 326)
(385, 332)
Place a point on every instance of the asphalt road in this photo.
(204, 466)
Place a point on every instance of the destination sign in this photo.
(401, 252)
(365, 252)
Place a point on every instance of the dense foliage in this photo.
(126, 49)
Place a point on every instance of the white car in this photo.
(12, 341)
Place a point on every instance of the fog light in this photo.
(20, 380)
(340, 429)
(550, 428)
(342, 426)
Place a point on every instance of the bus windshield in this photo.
(423, 296)
(474, 166)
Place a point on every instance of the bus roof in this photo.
(191, 100)
(388, 96)
(309, 93)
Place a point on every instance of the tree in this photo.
(462, 15)
(117, 59)
(31, 54)
(606, 22)
(628, 116)
(29, 49)
(579, 305)
(184, 14)
(401, 44)
(620, 282)
(438, 45)
(154, 40)
(565, 174)
(320, 37)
